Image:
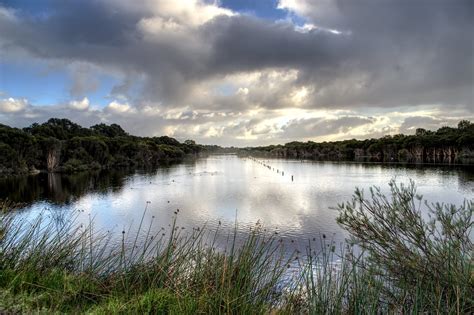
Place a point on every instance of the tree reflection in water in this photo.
(61, 188)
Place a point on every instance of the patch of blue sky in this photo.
(45, 85)
(40, 84)
(265, 9)
(30, 7)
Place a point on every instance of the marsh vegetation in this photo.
(398, 260)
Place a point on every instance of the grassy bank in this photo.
(410, 264)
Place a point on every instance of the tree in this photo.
(166, 140)
(111, 131)
(420, 132)
(464, 124)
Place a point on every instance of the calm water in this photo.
(228, 189)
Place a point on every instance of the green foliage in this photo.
(166, 140)
(464, 124)
(61, 129)
(111, 131)
(446, 145)
(61, 145)
(410, 250)
(8, 156)
(154, 301)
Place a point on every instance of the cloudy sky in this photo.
(242, 72)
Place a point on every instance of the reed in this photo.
(401, 263)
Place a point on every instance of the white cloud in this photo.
(12, 105)
(117, 107)
(242, 91)
(164, 16)
(243, 127)
(293, 5)
(188, 12)
(80, 105)
(193, 69)
(305, 8)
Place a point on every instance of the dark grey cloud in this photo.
(352, 55)
(84, 81)
(394, 52)
(247, 44)
(405, 52)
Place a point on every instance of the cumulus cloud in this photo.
(117, 107)
(207, 72)
(224, 127)
(12, 105)
(383, 58)
(80, 105)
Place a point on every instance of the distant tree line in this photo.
(446, 145)
(61, 145)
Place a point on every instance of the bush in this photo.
(424, 262)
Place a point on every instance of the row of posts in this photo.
(270, 168)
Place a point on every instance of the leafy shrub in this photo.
(422, 260)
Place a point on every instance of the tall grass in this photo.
(401, 263)
(76, 269)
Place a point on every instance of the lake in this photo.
(222, 190)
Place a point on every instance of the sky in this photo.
(240, 73)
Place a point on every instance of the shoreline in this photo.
(77, 269)
(309, 160)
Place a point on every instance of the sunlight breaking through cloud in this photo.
(198, 69)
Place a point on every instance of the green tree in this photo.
(464, 124)
(420, 132)
(111, 131)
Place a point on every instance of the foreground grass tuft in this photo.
(403, 262)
